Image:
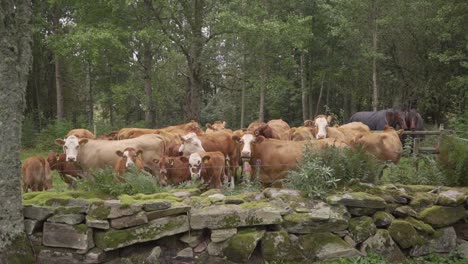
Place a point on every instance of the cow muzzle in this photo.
(72, 159)
(246, 155)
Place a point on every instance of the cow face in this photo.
(321, 123)
(195, 164)
(246, 141)
(71, 145)
(164, 164)
(190, 144)
(130, 156)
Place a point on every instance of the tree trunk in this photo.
(320, 96)
(110, 98)
(59, 87)
(305, 109)
(311, 89)
(243, 100)
(150, 112)
(15, 51)
(375, 100)
(90, 103)
(193, 97)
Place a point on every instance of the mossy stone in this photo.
(421, 226)
(278, 246)
(423, 200)
(404, 234)
(210, 192)
(362, 228)
(18, 252)
(451, 198)
(325, 246)
(382, 219)
(242, 245)
(361, 211)
(357, 199)
(441, 216)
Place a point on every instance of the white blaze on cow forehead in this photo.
(191, 146)
(189, 136)
(195, 159)
(321, 123)
(247, 139)
(129, 159)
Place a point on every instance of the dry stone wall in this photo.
(275, 225)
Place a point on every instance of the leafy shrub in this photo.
(453, 159)
(28, 132)
(411, 170)
(319, 172)
(106, 181)
(46, 138)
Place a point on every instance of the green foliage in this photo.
(106, 181)
(372, 258)
(453, 159)
(322, 171)
(46, 138)
(28, 132)
(421, 170)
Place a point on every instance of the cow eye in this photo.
(77, 146)
(65, 147)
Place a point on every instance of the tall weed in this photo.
(453, 160)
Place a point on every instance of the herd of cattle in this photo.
(180, 153)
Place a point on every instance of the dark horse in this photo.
(378, 120)
(414, 120)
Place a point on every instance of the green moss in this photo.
(231, 221)
(60, 198)
(382, 218)
(69, 210)
(421, 226)
(362, 228)
(99, 211)
(19, 251)
(277, 245)
(257, 204)
(81, 228)
(422, 200)
(126, 200)
(314, 243)
(210, 192)
(440, 216)
(296, 217)
(242, 245)
(417, 188)
(404, 234)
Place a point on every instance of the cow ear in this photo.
(139, 152)
(119, 153)
(208, 125)
(156, 161)
(57, 156)
(206, 159)
(184, 159)
(83, 141)
(400, 132)
(244, 129)
(171, 162)
(236, 138)
(259, 139)
(224, 123)
(329, 119)
(60, 142)
(292, 130)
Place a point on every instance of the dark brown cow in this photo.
(385, 146)
(128, 157)
(172, 170)
(276, 128)
(67, 170)
(209, 166)
(36, 174)
(81, 133)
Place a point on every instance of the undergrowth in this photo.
(320, 172)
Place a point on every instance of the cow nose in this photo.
(71, 158)
(320, 136)
(163, 171)
(245, 154)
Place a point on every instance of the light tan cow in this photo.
(217, 126)
(301, 133)
(36, 174)
(385, 146)
(98, 154)
(276, 128)
(81, 133)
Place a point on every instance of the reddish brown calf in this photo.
(36, 174)
(128, 157)
(57, 162)
(173, 170)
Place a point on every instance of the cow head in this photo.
(196, 162)
(130, 156)
(217, 125)
(321, 123)
(309, 123)
(246, 142)
(165, 163)
(71, 145)
(190, 144)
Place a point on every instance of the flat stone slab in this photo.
(279, 193)
(220, 235)
(153, 206)
(129, 221)
(37, 212)
(153, 230)
(326, 246)
(278, 246)
(232, 215)
(358, 199)
(112, 209)
(241, 246)
(322, 218)
(192, 238)
(67, 236)
(97, 223)
(175, 210)
(31, 225)
(69, 219)
(451, 198)
(442, 244)
(383, 244)
(441, 216)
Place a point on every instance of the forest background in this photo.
(154, 63)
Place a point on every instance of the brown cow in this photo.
(81, 133)
(172, 170)
(183, 129)
(385, 146)
(217, 141)
(126, 133)
(67, 170)
(217, 126)
(275, 128)
(301, 133)
(110, 136)
(351, 130)
(209, 167)
(320, 125)
(36, 174)
(128, 157)
(276, 157)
